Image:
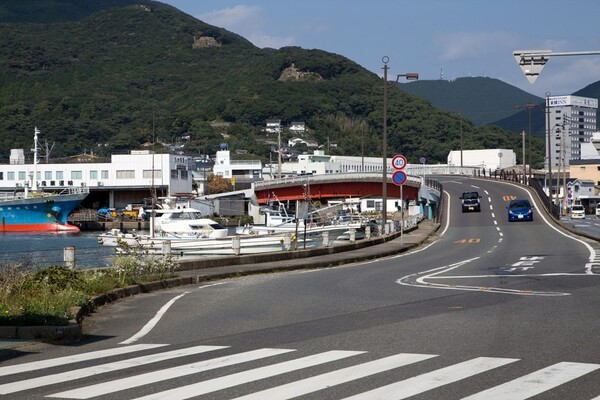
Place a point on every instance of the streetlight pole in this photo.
(386, 85)
(549, 150)
(527, 107)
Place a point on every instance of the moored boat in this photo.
(322, 236)
(38, 211)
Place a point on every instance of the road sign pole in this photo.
(401, 216)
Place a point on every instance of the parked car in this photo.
(520, 210)
(577, 211)
(470, 201)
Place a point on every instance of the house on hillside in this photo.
(297, 128)
(273, 126)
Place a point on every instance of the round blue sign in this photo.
(399, 178)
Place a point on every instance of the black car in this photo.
(470, 201)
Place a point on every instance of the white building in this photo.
(297, 128)
(572, 124)
(317, 163)
(124, 179)
(273, 126)
(241, 170)
(489, 159)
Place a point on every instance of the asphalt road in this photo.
(491, 310)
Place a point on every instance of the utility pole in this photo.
(386, 85)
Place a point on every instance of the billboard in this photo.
(559, 101)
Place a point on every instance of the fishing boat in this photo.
(321, 236)
(32, 210)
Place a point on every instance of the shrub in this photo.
(47, 296)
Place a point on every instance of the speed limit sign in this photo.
(399, 162)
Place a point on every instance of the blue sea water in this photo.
(46, 249)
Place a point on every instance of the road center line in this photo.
(152, 323)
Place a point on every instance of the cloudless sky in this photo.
(445, 39)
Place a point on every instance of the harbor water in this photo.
(42, 250)
(46, 249)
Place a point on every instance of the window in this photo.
(10, 176)
(93, 174)
(22, 175)
(1, 176)
(147, 174)
(125, 174)
(60, 175)
(104, 174)
(48, 175)
(76, 175)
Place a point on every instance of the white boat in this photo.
(174, 224)
(187, 223)
(114, 236)
(273, 217)
(277, 220)
(241, 244)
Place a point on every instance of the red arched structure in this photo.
(332, 189)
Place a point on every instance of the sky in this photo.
(438, 39)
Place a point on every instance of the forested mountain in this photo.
(479, 99)
(490, 101)
(113, 77)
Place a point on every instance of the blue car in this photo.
(520, 210)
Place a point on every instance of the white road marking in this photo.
(526, 386)
(432, 380)
(541, 215)
(102, 368)
(152, 323)
(148, 327)
(36, 365)
(169, 373)
(420, 280)
(320, 382)
(536, 383)
(212, 385)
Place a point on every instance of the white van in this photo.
(577, 211)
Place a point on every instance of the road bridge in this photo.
(334, 186)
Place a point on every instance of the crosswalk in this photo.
(67, 378)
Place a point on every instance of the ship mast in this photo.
(34, 186)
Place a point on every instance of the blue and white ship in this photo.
(32, 210)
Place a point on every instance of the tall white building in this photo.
(572, 124)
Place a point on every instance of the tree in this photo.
(217, 184)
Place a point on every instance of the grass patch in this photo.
(31, 296)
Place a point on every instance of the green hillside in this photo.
(479, 99)
(113, 79)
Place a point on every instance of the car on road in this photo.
(520, 210)
(598, 210)
(470, 201)
(577, 211)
